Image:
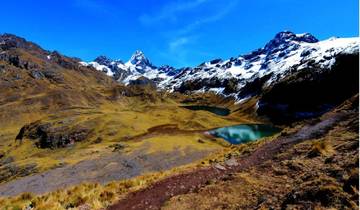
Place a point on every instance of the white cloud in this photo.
(180, 48)
(171, 11)
(178, 43)
(218, 15)
(177, 51)
(180, 52)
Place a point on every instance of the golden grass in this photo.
(97, 196)
(180, 142)
(94, 195)
(112, 122)
(321, 147)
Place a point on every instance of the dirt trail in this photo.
(157, 194)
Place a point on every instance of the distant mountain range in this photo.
(294, 76)
(285, 54)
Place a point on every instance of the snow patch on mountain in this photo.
(285, 53)
(99, 67)
(136, 67)
(293, 55)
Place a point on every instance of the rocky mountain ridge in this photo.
(289, 61)
(285, 53)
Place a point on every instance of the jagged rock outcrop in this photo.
(142, 81)
(53, 135)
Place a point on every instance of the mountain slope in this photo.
(284, 54)
(33, 77)
(300, 59)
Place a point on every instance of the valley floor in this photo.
(126, 141)
(292, 171)
(310, 165)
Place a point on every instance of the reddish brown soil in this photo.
(166, 129)
(154, 196)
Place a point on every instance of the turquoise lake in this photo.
(239, 134)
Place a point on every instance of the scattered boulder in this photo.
(201, 141)
(36, 74)
(231, 162)
(220, 167)
(117, 147)
(53, 76)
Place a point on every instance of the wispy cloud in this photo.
(174, 45)
(217, 15)
(177, 49)
(184, 21)
(179, 45)
(181, 52)
(171, 11)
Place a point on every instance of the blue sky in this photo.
(175, 32)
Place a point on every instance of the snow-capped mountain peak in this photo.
(139, 58)
(288, 40)
(287, 36)
(283, 55)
